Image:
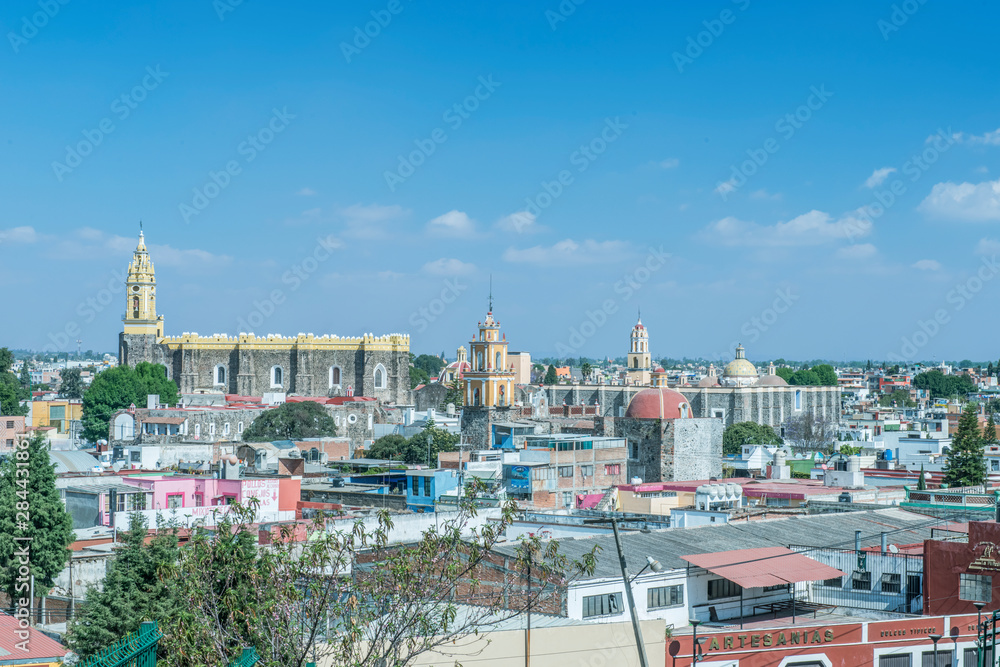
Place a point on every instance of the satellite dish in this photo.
(893, 549)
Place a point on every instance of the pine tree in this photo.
(133, 590)
(30, 508)
(990, 431)
(550, 375)
(966, 465)
(922, 482)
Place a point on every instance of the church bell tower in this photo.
(143, 327)
(639, 360)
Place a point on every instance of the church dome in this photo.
(772, 381)
(740, 367)
(709, 381)
(659, 403)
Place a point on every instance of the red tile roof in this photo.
(40, 646)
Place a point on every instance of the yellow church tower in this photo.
(490, 382)
(140, 290)
(639, 360)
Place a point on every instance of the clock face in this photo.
(135, 288)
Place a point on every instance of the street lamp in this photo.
(694, 640)
(935, 639)
(652, 565)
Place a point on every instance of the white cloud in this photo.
(448, 267)
(370, 221)
(982, 170)
(988, 246)
(927, 265)
(878, 177)
(987, 139)
(971, 202)
(857, 251)
(306, 192)
(812, 228)
(522, 222)
(24, 234)
(764, 194)
(453, 223)
(669, 163)
(569, 251)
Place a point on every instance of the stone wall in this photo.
(669, 450)
(430, 396)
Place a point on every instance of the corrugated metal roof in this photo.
(819, 530)
(767, 566)
(41, 648)
(72, 461)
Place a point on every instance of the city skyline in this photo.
(594, 162)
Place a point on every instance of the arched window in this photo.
(380, 377)
(498, 365)
(211, 428)
(503, 396)
(220, 374)
(635, 363)
(684, 410)
(239, 427)
(197, 430)
(334, 376)
(225, 429)
(475, 396)
(277, 377)
(479, 362)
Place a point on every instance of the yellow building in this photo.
(140, 286)
(639, 360)
(56, 414)
(490, 381)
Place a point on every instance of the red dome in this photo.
(658, 404)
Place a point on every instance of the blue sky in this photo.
(646, 113)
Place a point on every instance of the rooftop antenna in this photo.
(491, 292)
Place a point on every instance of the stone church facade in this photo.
(305, 365)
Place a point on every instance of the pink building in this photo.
(12, 429)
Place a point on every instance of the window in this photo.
(836, 582)
(415, 486)
(664, 596)
(608, 604)
(380, 377)
(427, 486)
(723, 588)
(900, 660)
(10, 424)
(211, 428)
(892, 583)
(995, 465)
(975, 587)
(567, 499)
(136, 501)
(798, 399)
(277, 377)
(220, 374)
(199, 499)
(239, 427)
(197, 430)
(565, 471)
(943, 659)
(633, 451)
(861, 581)
(586, 471)
(334, 376)
(613, 469)
(175, 500)
(970, 657)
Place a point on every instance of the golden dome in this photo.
(740, 367)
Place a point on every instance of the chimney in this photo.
(857, 541)
(884, 542)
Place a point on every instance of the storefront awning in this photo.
(769, 566)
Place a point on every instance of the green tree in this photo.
(426, 445)
(418, 376)
(940, 385)
(388, 603)
(922, 481)
(747, 433)
(900, 397)
(990, 431)
(550, 376)
(586, 369)
(70, 385)
(291, 421)
(133, 590)
(429, 364)
(966, 465)
(804, 378)
(11, 390)
(393, 447)
(826, 375)
(117, 388)
(31, 509)
(455, 395)
(785, 373)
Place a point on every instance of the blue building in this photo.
(424, 487)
